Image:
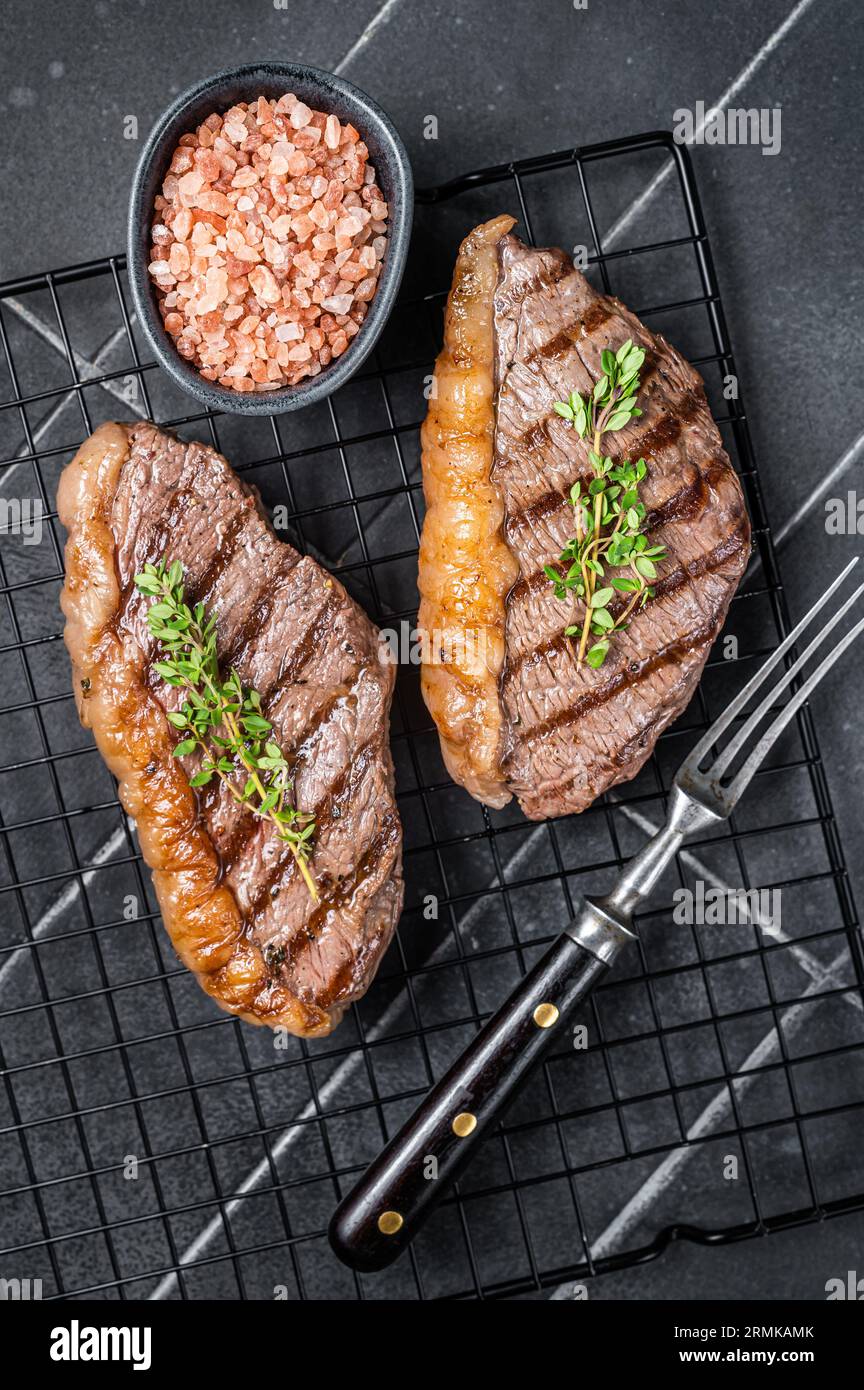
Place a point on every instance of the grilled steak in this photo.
(532, 722)
(230, 891)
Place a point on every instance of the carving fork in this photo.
(385, 1210)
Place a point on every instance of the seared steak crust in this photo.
(231, 896)
(565, 733)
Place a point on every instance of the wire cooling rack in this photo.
(152, 1146)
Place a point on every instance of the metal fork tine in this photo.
(722, 723)
(773, 732)
(746, 732)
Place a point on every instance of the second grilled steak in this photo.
(562, 732)
(230, 891)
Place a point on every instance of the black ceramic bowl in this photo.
(322, 91)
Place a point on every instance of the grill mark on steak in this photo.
(554, 347)
(691, 499)
(624, 679)
(244, 831)
(328, 811)
(549, 339)
(158, 542)
(669, 428)
(306, 649)
(245, 823)
(688, 502)
(307, 935)
(537, 434)
(598, 313)
(706, 563)
(661, 435)
(546, 277)
(290, 674)
(566, 339)
(259, 615)
(221, 559)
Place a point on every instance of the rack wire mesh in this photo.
(152, 1146)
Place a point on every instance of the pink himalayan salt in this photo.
(300, 115)
(190, 183)
(267, 243)
(263, 285)
(179, 259)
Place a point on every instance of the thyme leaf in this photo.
(609, 514)
(221, 718)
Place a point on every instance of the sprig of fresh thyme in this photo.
(609, 515)
(612, 403)
(221, 718)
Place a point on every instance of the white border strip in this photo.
(819, 977)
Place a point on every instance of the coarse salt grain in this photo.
(337, 303)
(190, 183)
(300, 115)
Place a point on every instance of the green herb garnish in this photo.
(220, 718)
(609, 515)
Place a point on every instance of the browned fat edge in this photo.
(704, 564)
(340, 896)
(546, 277)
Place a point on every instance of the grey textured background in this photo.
(510, 80)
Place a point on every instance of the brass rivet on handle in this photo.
(464, 1124)
(545, 1015)
(389, 1222)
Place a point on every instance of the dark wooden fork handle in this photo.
(383, 1213)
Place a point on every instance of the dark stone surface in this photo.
(517, 80)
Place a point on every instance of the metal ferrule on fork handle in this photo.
(599, 927)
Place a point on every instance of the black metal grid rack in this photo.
(150, 1144)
